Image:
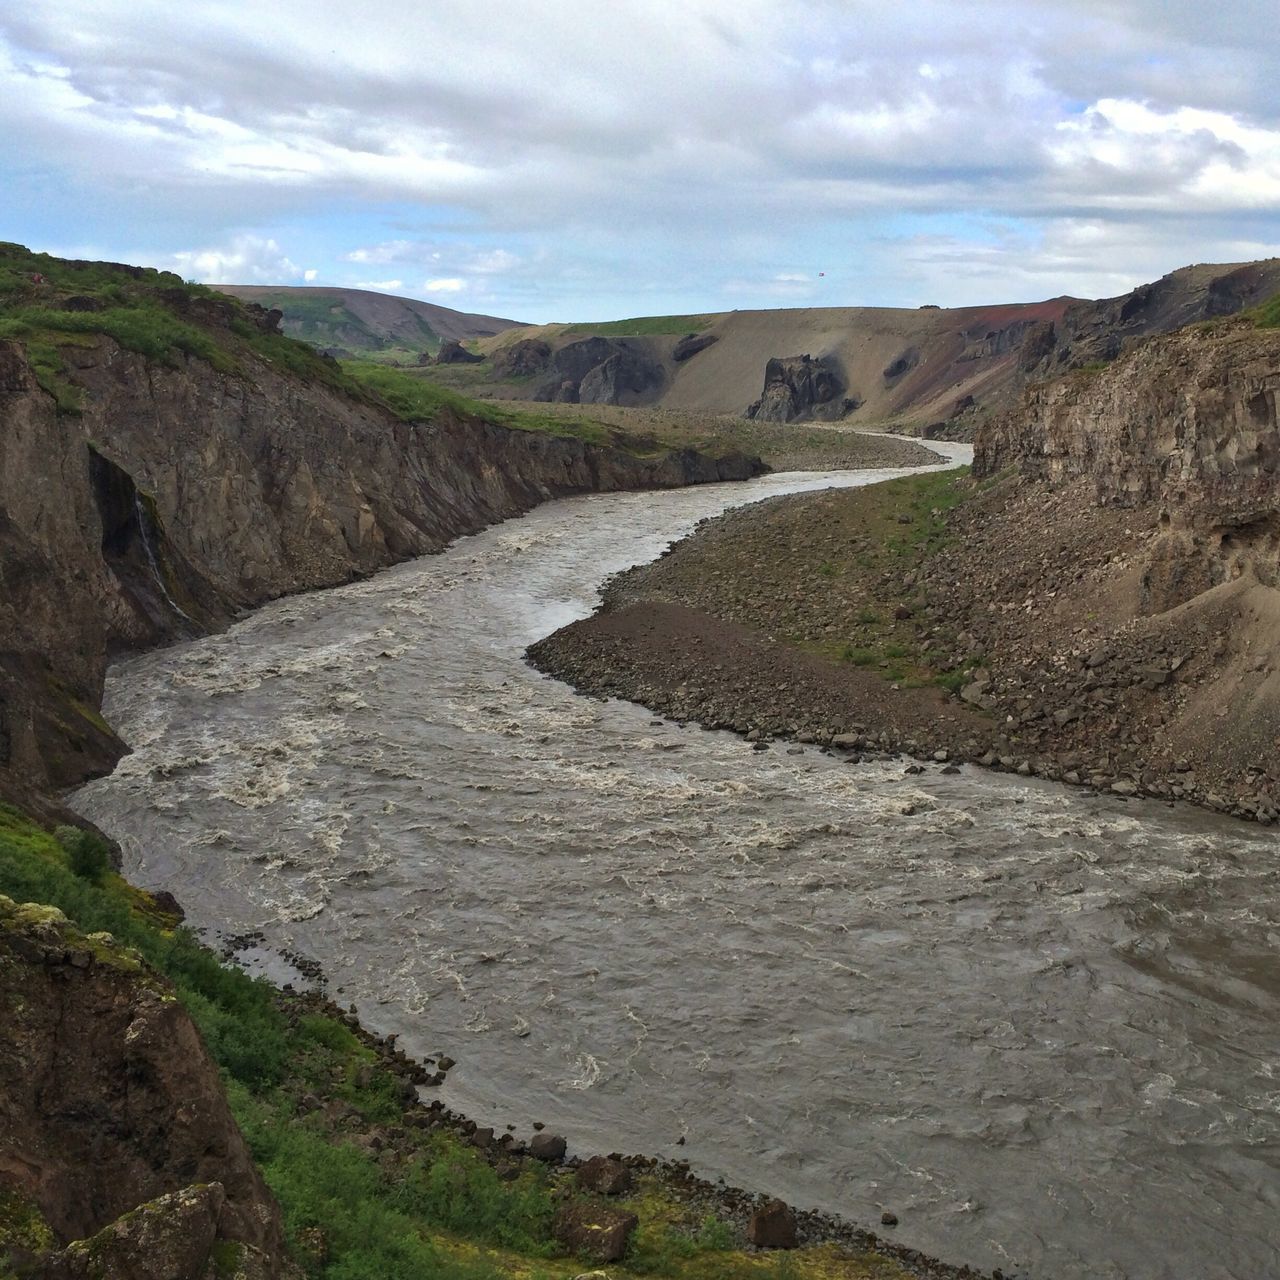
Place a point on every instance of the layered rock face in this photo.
(114, 1129)
(180, 496)
(1187, 422)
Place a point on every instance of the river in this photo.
(1039, 1025)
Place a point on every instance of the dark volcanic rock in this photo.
(594, 1231)
(773, 1226)
(903, 364)
(453, 352)
(547, 1146)
(797, 387)
(691, 344)
(523, 359)
(603, 371)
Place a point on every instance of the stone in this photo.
(548, 1146)
(773, 1226)
(605, 1176)
(594, 1231)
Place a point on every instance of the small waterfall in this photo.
(151, 560)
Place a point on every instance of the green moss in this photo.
(22, 1225)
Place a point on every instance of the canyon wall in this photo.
(180, 496)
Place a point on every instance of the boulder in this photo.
(605, 1176)
(691, 344)
(547, 1146)
(773, 1226)
(594, 1231)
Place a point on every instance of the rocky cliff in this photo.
(180, 495)
(1187, 423)
(118, 1153)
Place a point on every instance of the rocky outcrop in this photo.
(114, 1129)
(1187, 422)
(523, 359)
(691, 344)
(798, 388)
(453, 352)
(603, 371)
(1089, 333)
(181, 496)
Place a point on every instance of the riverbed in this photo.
(1038, 1024)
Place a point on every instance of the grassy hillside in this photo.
(53, 305)
(363, 324)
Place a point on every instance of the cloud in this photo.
(651, 149)
(246, 260)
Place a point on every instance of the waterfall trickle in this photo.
(151, 560)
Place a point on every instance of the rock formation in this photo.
(114, 1129)
(453, 352)
(796, 388)
(603, 371)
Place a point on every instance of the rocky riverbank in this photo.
(994, 622)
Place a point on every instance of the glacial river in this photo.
(1041, 1026)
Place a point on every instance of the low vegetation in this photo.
(644, 326)
(310, 1094)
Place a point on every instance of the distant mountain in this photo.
(361, 322)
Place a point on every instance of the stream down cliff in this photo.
(1036, 1024)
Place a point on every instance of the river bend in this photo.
(1041, 1026)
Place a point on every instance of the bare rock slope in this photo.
(117, 1147)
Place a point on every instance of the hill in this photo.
(360, 322)
(940, 371)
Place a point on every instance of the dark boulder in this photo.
(547, 1146)
(902, 364)
(594, 1231)
(691, 344)
(773, 1226)
(453, 352)
(605, 1176)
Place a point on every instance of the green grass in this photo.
(643, 326)
(1267, 316)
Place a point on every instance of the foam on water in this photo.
(1038, 1024)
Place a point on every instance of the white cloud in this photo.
(246, 260)
(380, 286)
(714, 144)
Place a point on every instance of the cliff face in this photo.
(180, 496)
(109, 1101)
(1187, 422)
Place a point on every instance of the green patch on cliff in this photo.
(22, 1226)
(644, 326)
(417, 397)
(53, 305)
(1267, 316)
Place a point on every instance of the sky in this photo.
(559, 160)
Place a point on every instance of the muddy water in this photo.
(1042, 1027)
